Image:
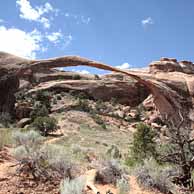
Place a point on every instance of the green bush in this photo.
(45, 125)
(143, 145)
(76, 77)
(39, 111)
(44, 98)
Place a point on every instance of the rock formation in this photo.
(171, 83)
(127, 93)
(9, 84)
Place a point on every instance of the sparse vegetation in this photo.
(109, 172)
(41, 161)
(98, 120)
(153, 176)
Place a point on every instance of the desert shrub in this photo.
(39, 111)
(75, 186)
(5, 119)
(143, 145)
(109, 172)
(45, 125)
(114, 152)
(123, 186)
(59, 161)
(39, 160)
(76, 77)
(153, 176)
(29, 138)
(5, 138)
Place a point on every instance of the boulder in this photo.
(148, 103)
(23, 122)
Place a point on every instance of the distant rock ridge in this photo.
(171, 65)
(171, 83)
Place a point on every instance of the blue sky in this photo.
(129, 32)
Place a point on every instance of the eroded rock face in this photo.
(9, 84)
(131, 94)
(170, 82)
(171, 65)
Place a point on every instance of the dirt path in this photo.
(136, 189)
(133, 185)
(6, 170)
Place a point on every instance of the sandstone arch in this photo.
(168, 101)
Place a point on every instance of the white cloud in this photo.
(35, 14)
(124, 66)
(45, 22)
(83, 71)
(147, 21)
(19, 42)
(54, 37)
(58, 37)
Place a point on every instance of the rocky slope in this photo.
(170, 82)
